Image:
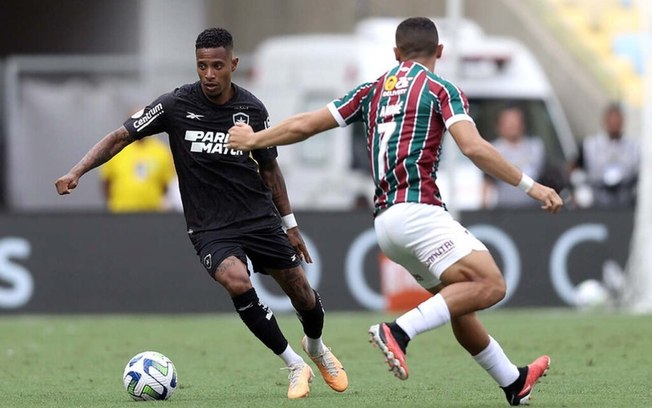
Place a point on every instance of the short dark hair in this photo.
(214, 38)
(417, 37)
(613, 107)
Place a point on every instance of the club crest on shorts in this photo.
(240, 118)
(208, 261)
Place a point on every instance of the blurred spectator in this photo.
(526, 152)
(137, 179)
(606, 171)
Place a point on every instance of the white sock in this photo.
(315, 346)
(427, 316)
(494, 360)
(290, 357)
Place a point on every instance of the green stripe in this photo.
(456, 103)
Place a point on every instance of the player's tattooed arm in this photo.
(103, 151)
(273, 179)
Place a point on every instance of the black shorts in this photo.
(267, 248)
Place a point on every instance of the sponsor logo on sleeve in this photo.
(144, 118)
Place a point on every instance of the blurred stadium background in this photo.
(71, 72)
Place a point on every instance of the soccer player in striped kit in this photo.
(406, 113)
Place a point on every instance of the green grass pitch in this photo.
(598, 360)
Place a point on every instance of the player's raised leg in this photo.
(472, 283)
(517, 382)
(310, 312)
(258, 317)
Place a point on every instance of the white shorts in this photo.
(424, 239)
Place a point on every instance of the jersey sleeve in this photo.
(261, 123)
(452, 102)
(151, 120)
(348, 109)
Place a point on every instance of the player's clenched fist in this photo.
(549, 199)
(65, 184)
(241, 137)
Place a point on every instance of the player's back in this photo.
(406, 121)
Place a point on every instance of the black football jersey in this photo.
(220, 187)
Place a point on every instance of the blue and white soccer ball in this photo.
(150, 376)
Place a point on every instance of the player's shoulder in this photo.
(436, 78)
(186, 91)
(437, 83)
(247, 98)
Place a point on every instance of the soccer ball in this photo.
(150, 376)
(591, 294)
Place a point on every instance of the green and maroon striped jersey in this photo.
(405, 113)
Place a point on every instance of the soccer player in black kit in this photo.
(235, 203)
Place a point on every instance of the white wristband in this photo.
(289, 221)
(526, 183)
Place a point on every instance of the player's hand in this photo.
(550, 200)
(297, 242)
(241, 137)
(65, 184)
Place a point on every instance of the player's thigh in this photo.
(425, 239)
(392, 239)
(477, 266)
(224, 259)
(270, 250)
(271, 253)
(232, 273)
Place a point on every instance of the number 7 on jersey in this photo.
(385, 130)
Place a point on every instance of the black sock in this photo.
(260, 320)
(312, 320)
(517, 385)
(399, 334)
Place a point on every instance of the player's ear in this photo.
(397, 54)
(234, 64)
(440, 50)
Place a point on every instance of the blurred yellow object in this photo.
(137, 178)
(596, 24)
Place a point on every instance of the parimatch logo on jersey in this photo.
(210, 142)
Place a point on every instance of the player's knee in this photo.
(237, 286)
(494, 291)
(234, 279)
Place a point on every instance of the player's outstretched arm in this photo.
(292, 130)
(489, 160)
(99, 154)
(274, 180)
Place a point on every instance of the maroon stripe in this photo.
(350, 107)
